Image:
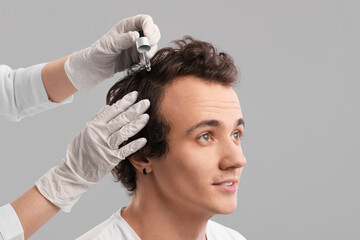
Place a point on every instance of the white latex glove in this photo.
(94, 152)
(114, 52)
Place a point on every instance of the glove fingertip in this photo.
(131, 148)
(130, 96)
(145, 104)
(144, 118)
(141, 142)
(137, 144)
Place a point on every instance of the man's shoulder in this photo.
(215, 231)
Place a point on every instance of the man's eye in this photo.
(205, 137)
(236, 136)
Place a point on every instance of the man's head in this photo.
(193, 150)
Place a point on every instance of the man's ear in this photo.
(140, 163)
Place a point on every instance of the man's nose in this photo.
(231, 155)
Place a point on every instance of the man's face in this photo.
(201, 171)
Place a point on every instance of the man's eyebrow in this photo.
(212, 123)
(240, 121)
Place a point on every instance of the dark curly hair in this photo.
(187, 57)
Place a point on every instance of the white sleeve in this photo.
(22, 92)
(10, 226)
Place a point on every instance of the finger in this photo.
(146, 23)
(131, 148)
(143, 22)
(124, 34)
(135, 23)
(128, 29)
(118, 107)
(127, 131)
(129, 115)
(154, 36)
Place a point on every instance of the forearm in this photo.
(33, 210)
(56, 82)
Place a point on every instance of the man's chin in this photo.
(227, 207)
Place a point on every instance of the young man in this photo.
(190, 168)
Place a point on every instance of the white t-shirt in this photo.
(115, 228)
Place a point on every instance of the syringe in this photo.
(143, 46)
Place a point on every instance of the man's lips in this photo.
(227, 185)
(227, 182)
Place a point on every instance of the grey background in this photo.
(299, 93)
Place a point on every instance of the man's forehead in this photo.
(192, 97)
(194, 87)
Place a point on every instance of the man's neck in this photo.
(153, 218)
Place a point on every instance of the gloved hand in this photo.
(114, 52)
(94, 152)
